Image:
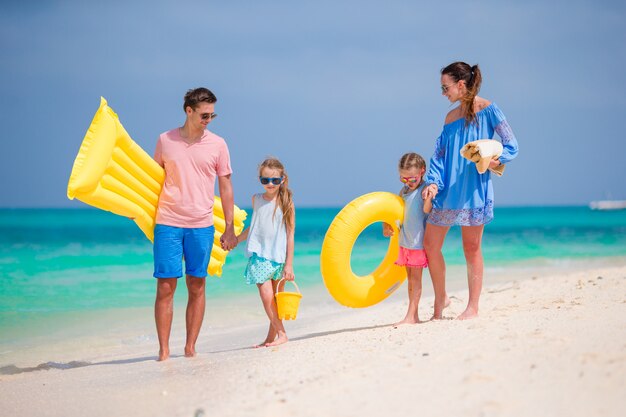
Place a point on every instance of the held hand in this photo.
(288, 273)
(228, 240)
(430, 191)
(387, 230)
(494, 163)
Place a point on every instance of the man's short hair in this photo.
(198, 95)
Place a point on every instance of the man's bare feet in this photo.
(164, 355)
(190, 352)
(469, 313)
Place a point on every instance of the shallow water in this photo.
(55, 263)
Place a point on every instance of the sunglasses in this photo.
(267, 180)
(207, 116)
(411, 180)
(444, 88)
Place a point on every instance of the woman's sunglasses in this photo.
(411, 180)
(444, 88)
(267, 180)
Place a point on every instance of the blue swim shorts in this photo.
(260, 270)
(171, 244)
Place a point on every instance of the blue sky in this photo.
(338, 90)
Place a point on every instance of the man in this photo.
(192, 157)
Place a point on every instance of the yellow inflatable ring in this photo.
(111, 172)
(344, 285)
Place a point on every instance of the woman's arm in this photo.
(509, 142)
(436, 172)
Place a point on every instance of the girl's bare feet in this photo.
(282, 338)
(409, 319)
(405, 321)
(271, 336)
(264, 343)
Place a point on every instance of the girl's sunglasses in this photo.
(267, 180)
(411, 180)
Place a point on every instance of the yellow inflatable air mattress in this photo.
(111, 172)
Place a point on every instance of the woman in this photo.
(462, 196)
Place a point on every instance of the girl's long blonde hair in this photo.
(285, 196)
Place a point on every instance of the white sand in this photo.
(552, 345)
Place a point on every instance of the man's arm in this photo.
(228, 240)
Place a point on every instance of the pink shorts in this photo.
(415, 258)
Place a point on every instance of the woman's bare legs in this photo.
(433, 243)
(472, 240)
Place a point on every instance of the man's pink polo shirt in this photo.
(186, 199)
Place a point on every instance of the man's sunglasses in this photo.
(207, 116)
(267, 180)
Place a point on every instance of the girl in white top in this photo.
(270, 242)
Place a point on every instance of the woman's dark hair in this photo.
(473, 79)
(198, 95)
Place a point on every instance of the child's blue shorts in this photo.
(260, 270)
(172, 243)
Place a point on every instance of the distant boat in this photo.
(608, 205)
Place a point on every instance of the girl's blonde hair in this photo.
(411, 160)
(285, 196)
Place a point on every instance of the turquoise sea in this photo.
(60, 261)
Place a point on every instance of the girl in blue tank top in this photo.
(270, 242)
(412, 255)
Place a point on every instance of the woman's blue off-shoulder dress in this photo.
(465, 197)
